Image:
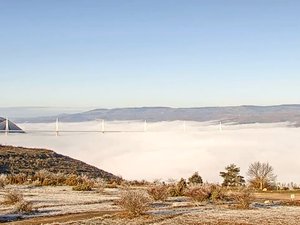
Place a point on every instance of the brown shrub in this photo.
(23, 207)
(3, 178)
(2, 184)
(47, 178)
(13, 197)
(36, 183)
(158, 192)
(178, 189)
(20, 178)
(71, 180)
(243, 198)
(138, 183)
(99, 184)
(134, 203)
(199, 193)
(173, 190)
(60, 178)
(218, 194)
(111, 185)
(83, 187)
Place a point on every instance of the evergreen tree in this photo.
(195, 179)
(231, 176)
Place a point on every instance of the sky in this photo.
(180, 53)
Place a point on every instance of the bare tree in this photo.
(261, 175)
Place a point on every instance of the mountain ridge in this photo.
(243, 114)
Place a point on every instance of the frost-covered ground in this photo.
(208, 216)
(167, 151)
(61, 201)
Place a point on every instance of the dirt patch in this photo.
(61, 218)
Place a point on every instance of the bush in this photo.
(158, 192)
(82, 187)
(243, 198)
(138, 183)
(99, 184)
(12, 197)
(111, 185)
(218, 194)
(2, 184)
(199, 193)
(36, 183)
(71, 180)
(47, 178)
(172, 190)
(3, 178)
(20, 178)
(178, 189)
(134, 203)
(23, 207)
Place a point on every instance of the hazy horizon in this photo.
(40, 111)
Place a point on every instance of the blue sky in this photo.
(184, 53)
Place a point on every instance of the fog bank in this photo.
(171, 149)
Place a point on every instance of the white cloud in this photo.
(165, 151)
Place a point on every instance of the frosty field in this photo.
(61, 205)
(166, 151)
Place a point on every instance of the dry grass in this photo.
(24, 207)
(199, 193)
(218, 194)
(83, 187)
(206, 216)
(243, 198)
(111, 185)
(54, 201)
(135, 203)
(99, 185)
(158, 192)
(2, 180)
(2, 184)
(13, 197)
(178, 189)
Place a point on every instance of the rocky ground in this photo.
(18, 160)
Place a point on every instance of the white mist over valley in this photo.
(169, 149)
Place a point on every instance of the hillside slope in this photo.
(15, 160)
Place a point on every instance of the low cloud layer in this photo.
(167, 151)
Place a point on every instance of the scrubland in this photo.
(142, 202)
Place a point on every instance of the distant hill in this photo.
(15, 160)
(232, 114)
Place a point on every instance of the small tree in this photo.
(195, 179)
(231, 176)
(261, 175)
